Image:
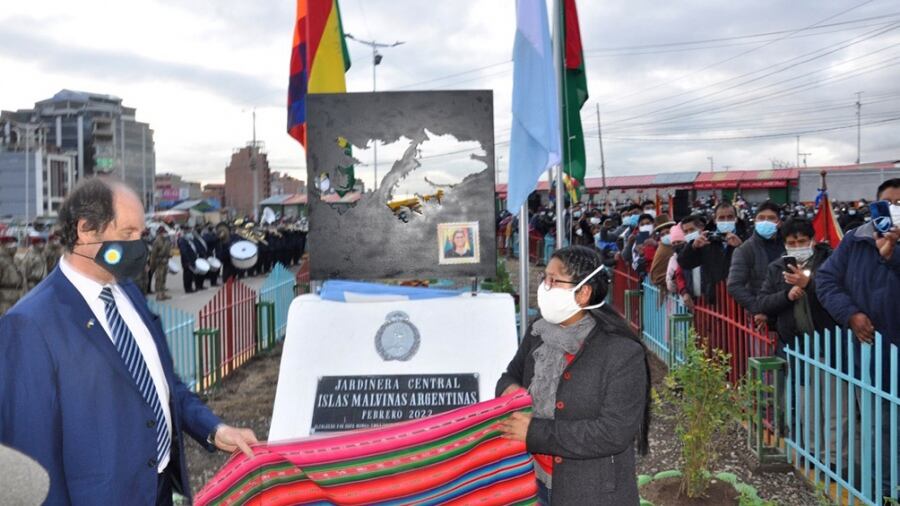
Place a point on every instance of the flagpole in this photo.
(559, 63)
(523, 270)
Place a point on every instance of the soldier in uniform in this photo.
(160, 253)
(11, 281)
(54, 252)
(33, 265)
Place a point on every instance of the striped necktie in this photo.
(134, 361)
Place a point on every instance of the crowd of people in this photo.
(774, 267)
(21, 269)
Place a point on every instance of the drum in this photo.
(174, 265)
(243, 254)
(201, 266)
(214, 264)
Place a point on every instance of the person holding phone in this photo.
(751, 259)
(860, 286)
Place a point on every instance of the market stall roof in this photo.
(275, 200)
(196, 205)
(775, 178)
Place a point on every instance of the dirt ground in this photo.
(243, 399)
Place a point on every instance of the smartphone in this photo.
(789, 261)
(881, 216)
(641, 237)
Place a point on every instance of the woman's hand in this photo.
(510, 389)
(516, 426)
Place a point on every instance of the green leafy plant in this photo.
(705, 404)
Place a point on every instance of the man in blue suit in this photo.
(87, 386)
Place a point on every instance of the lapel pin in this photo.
(90, 323)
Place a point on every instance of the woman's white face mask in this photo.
(558, 304)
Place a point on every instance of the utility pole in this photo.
(711, 166)
(253, 171)
(376, 60)
(798, 152)
(602, 158)
(858, 123)
(804, 155)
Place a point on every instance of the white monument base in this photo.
(432, 355)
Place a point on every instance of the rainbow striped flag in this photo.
(319, 59)
(457, 457)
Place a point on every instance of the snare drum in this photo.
(174, 265)
(201, 266)
(243, 254)
(214, 264)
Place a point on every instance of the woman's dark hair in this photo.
(579, 262)
(801, 226)
(92, 201)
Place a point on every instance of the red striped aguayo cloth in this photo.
(457, 457)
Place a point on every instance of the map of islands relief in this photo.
(432, 214)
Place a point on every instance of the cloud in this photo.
(127, 67)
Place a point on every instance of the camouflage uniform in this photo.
(160, 253)
(53, 254)
(33, 266)
(10, 279)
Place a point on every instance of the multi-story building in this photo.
(283, 184)
(215, 192)
(170, 189)
(101, 135)
(246, 163)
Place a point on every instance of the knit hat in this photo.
(676, 234)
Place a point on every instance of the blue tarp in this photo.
(352, 291)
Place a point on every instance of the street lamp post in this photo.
(376, 60)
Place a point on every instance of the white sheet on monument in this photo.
(458, 335)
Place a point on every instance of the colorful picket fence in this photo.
(842, 417)
(178, 326)
(278, 289)
(848, 385)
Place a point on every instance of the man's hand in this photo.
(510, 389)
(688, 301)
(862, 328)
(760, 320)
(796, 277)
(888, 242)
(795, 293)
(733, 240)
(229, 439)
(516, 426)
(701, 241)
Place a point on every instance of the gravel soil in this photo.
(783, 488)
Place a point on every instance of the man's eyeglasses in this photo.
(550, 281)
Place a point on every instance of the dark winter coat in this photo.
(714, 261)
(749, 266)
(600, 409)
(773, 300)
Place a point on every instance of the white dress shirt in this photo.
(90, 290)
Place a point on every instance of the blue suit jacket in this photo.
(68, 401)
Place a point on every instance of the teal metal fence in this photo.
(842, 400)
(179, 328)
(278, 288)
(843, 411)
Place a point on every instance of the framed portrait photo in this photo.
(458, 243)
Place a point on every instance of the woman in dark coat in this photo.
(589, 380)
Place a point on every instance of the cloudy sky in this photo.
(677, 83)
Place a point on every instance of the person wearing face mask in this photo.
(589, 380)
(11, 280)
(712, 251)
(634, 246)
(87, 385)
(751, 260)
(188, 254)
(788, 295)
(661, 256)
(860, 286)
(851, 219)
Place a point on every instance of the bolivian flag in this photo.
(318, 61)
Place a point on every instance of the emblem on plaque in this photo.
(397, 339)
